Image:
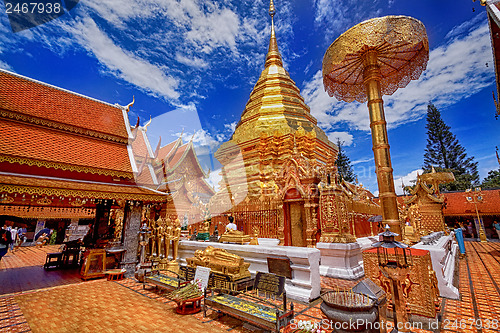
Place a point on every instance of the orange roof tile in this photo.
(177, 156)
(145, 178)
(457, 204)
(36, 99)
(23, 140)
(165, 150)
(139, 146)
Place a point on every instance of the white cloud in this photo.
(212, 30)
(455, 71)
(231, 126)
(123, 64)
(214, 178)
(407, 180)
(6, 66)
(191, 62)
(344, 138)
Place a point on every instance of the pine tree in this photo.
(492, 180)
(344, 164)
(445, 153)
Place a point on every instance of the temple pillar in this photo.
(131, 226)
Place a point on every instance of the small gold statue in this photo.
(255, 236)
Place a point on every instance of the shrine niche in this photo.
(298, 188)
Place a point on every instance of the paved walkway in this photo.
(123, 306)
(23, 271)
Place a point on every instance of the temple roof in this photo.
(25, 143)
(141, 145)
(168, 149)
(54, 107)
(456, 203)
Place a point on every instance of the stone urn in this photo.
(350, 312)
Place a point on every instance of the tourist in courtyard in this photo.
(496, 225)
(21, 238)
(470, 231)
(13, 234)
(5, 240)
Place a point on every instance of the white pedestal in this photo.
(269, 241)
(443, 256)
(305, 284)
(342, 261)
(366, 242)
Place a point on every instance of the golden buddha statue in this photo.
(220, 261)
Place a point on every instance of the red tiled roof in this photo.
(139, 145)
(46, 144)
(35, 99)
(177, 156)
(165, 150)
(457, 204)
(145, 178)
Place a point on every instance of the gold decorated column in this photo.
(372, 59)
(380, 142)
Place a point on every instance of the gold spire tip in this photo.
(272, 10)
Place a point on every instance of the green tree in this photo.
(343, 164)
(444, 152)
(492, 180)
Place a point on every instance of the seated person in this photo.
(231, 225)
(42, 240)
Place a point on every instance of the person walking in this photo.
(5, 240)
(469, 229)
(496, 225)
(13, 235)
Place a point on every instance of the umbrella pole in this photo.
(387, 193)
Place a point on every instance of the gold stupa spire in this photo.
(273, 55)
(264, 137)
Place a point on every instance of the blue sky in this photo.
(191, 66)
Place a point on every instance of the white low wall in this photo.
(305, 284)
(341, 261)
(443, 256)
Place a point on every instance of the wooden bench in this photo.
(261, 308)
(169, 280)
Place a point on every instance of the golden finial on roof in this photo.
(130, 104)
(147, 124)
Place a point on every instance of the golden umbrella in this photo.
(375, 58)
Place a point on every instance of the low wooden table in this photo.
(115, 274)
(189, 306)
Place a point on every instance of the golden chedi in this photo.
(275, 121)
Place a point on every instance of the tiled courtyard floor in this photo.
(33, 300)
